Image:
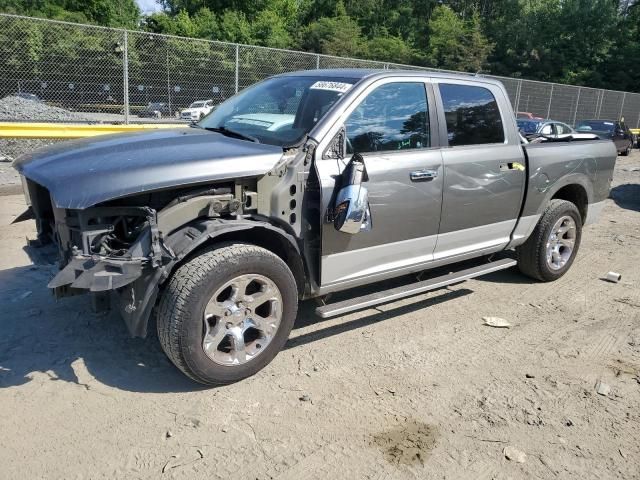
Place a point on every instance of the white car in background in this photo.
(197, 110)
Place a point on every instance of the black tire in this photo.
(180, 317)
(626, 152)
(532, 260)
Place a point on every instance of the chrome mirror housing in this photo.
(352, 213)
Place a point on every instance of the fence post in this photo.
(168, 81)
(599, 105)
(624, 97)
(237, 65)
(125, 73)
(575, 112)
(550, 98)
(317, 62)
(518, 92)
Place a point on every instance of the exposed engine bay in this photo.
(122, 250)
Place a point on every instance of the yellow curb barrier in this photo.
(67, 130)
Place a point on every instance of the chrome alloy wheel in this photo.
(561, 242)
(241, 319)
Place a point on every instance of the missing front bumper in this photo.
(96, 274)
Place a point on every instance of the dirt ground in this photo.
(414, 389)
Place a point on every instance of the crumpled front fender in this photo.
(136, 300)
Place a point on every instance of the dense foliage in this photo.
(583, 42)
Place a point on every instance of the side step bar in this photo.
(386, 296)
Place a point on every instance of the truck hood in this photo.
(83, 173)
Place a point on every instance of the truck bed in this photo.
(553, 165)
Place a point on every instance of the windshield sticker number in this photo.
(333, 86)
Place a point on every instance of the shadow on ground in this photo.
(68, 342)
(38, 334)
(627, 196)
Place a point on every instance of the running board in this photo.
(386, 296)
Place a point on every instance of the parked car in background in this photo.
(528, 115)
(535, 129)
(197, 110)
(28, 96)
(636, 136)
(219, 230)
(615, 130)
(155, 110)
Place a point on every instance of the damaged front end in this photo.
(119, 239)
(117, 243)
(112, 252)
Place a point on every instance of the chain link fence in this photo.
(59, 71)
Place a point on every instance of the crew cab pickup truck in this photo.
(218, 231)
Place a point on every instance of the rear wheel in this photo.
(552, 247)
(226, 313)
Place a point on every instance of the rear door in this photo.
(484, 168)
(391, 125)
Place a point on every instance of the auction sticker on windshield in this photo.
(333, 86)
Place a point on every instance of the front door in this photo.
(391, 128)
(484, 170)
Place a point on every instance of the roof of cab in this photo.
(360, 73)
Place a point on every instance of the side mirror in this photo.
(351, 212)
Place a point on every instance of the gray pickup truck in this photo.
(302, 185)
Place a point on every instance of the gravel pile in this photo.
(16, 108)
(11, 148)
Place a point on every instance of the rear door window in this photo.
(472, 115)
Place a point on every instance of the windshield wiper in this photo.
(232, 133)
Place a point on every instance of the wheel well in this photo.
(268, 240)
(577, 195)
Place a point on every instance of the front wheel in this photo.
(226, 313)
(626, 151)
(552, 247)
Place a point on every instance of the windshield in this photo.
(597, 125)
(279, 111)
(196, 105)
(528, 126)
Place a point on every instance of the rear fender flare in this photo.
(544, 195)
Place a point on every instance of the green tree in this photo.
(269, 29)
(338, 35)
(455, 43)
(111, 13)
(234, 27)
(389, 49)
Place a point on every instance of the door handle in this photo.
(423, 175)
(511, 166)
